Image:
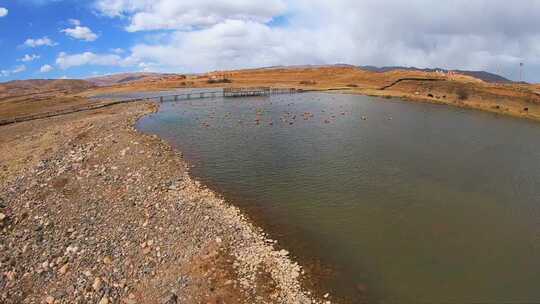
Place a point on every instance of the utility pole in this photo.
(521, 71)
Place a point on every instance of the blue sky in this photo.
(77, 39)
(37, 19)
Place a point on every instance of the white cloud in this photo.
(28, 58)
(233, 44)
(224, 34)
(116, 8)
(79, 32)
(3, 12)
(66, 61)
(46, 68)
(74, 22)
(17, 69)
(188, 14)
(45, 41)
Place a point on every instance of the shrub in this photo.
(221, 80)
(462, 94)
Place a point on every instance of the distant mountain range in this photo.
(126, 78)
(482, 75)
(29, 86)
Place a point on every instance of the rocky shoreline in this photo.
(92, 211)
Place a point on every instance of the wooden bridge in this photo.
(227, 93)
(261, 91)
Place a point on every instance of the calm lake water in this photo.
(406, 202)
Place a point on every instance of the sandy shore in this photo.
(92, 211)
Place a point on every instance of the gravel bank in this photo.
(92, 211)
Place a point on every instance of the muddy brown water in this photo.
(405, 202)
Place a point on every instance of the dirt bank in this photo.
(519, 100)
(92, 211)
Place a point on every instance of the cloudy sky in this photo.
(74, 38)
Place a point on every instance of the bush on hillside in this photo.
(462, 93)
(220, 80)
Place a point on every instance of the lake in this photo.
(404, 202)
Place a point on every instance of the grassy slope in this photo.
(463, 91)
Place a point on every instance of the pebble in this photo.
(10, 275)
(97, 284)
(49, 300)
(63, 269)
(72, 249)
(170, 299)
(104, 300)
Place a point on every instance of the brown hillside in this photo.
(36, 96)
(126, 78)
(25, 87)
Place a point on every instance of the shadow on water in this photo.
(387, 201)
